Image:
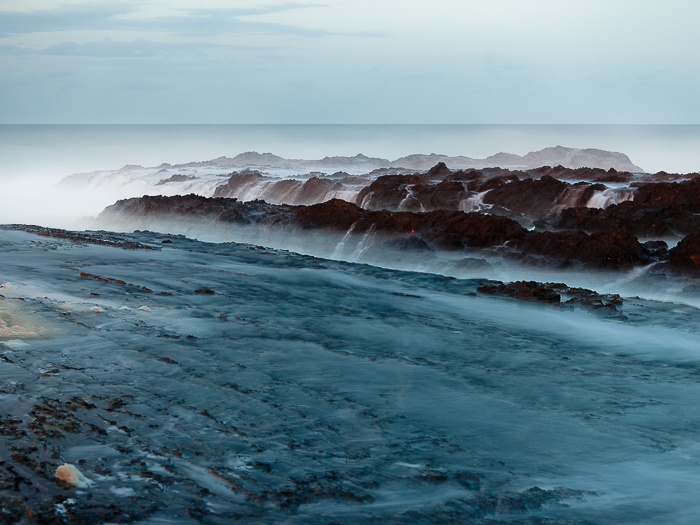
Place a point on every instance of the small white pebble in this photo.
(144, 308)
(125, 308)
(97, 309)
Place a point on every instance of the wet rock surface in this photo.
(443, 229)
(289, 191)
(539, 198)
(658, 209)
(306, 390)
(685, 256)
(558, 294)
(600, 250)
(515, 192)
(99, 238)
(176, 178)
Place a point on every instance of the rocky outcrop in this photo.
(444, 229)
(389, 192)
(495, 191)
(99, 238)
(685, 195)
(587, 174)
(601, 250)
(685, 256)
(658, 209)
(558, 294)
(176, 178)
(246, 184)
(571, 158)
(237, 182)
(538, 198)
(440, 229)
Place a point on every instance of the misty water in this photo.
(222, 374)
(33, 158)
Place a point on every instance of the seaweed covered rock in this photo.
(525, 290)
(558, 294)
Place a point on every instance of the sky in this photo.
(350, 62)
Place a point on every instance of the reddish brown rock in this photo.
(587, 174)
(601, 250)
(684, 195)
(236, 182)
(538, 198)
(388, 191)
(287, 191)
(98, 238)
(685, 256)
(439, 171)
(523, 290)
(446, 195)
(443, 229)
(658, 209)
(446, 229)
(558, 294)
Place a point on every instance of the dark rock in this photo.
(288, 191)
(685, 195)
(685, 256)
(658, 209)
(588, 174)
(552, 293)
(411, 243)
(98, 238)
(176, 178)
(316, 190)
(236, 182)
(538, 198)
(439, 171)
(442, 229)
(388, 191)
(525, 290)
(471, 264)
(641, 221)
(601, 250)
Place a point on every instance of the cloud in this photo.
(190, 22)
(140, 48)
(254, 11)
(67, 18)
(15, 51)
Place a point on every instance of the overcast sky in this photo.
(350, 61)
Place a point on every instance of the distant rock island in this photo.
(558, 156)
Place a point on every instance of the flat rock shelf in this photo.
(225, 383)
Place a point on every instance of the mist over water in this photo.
(34, 157)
